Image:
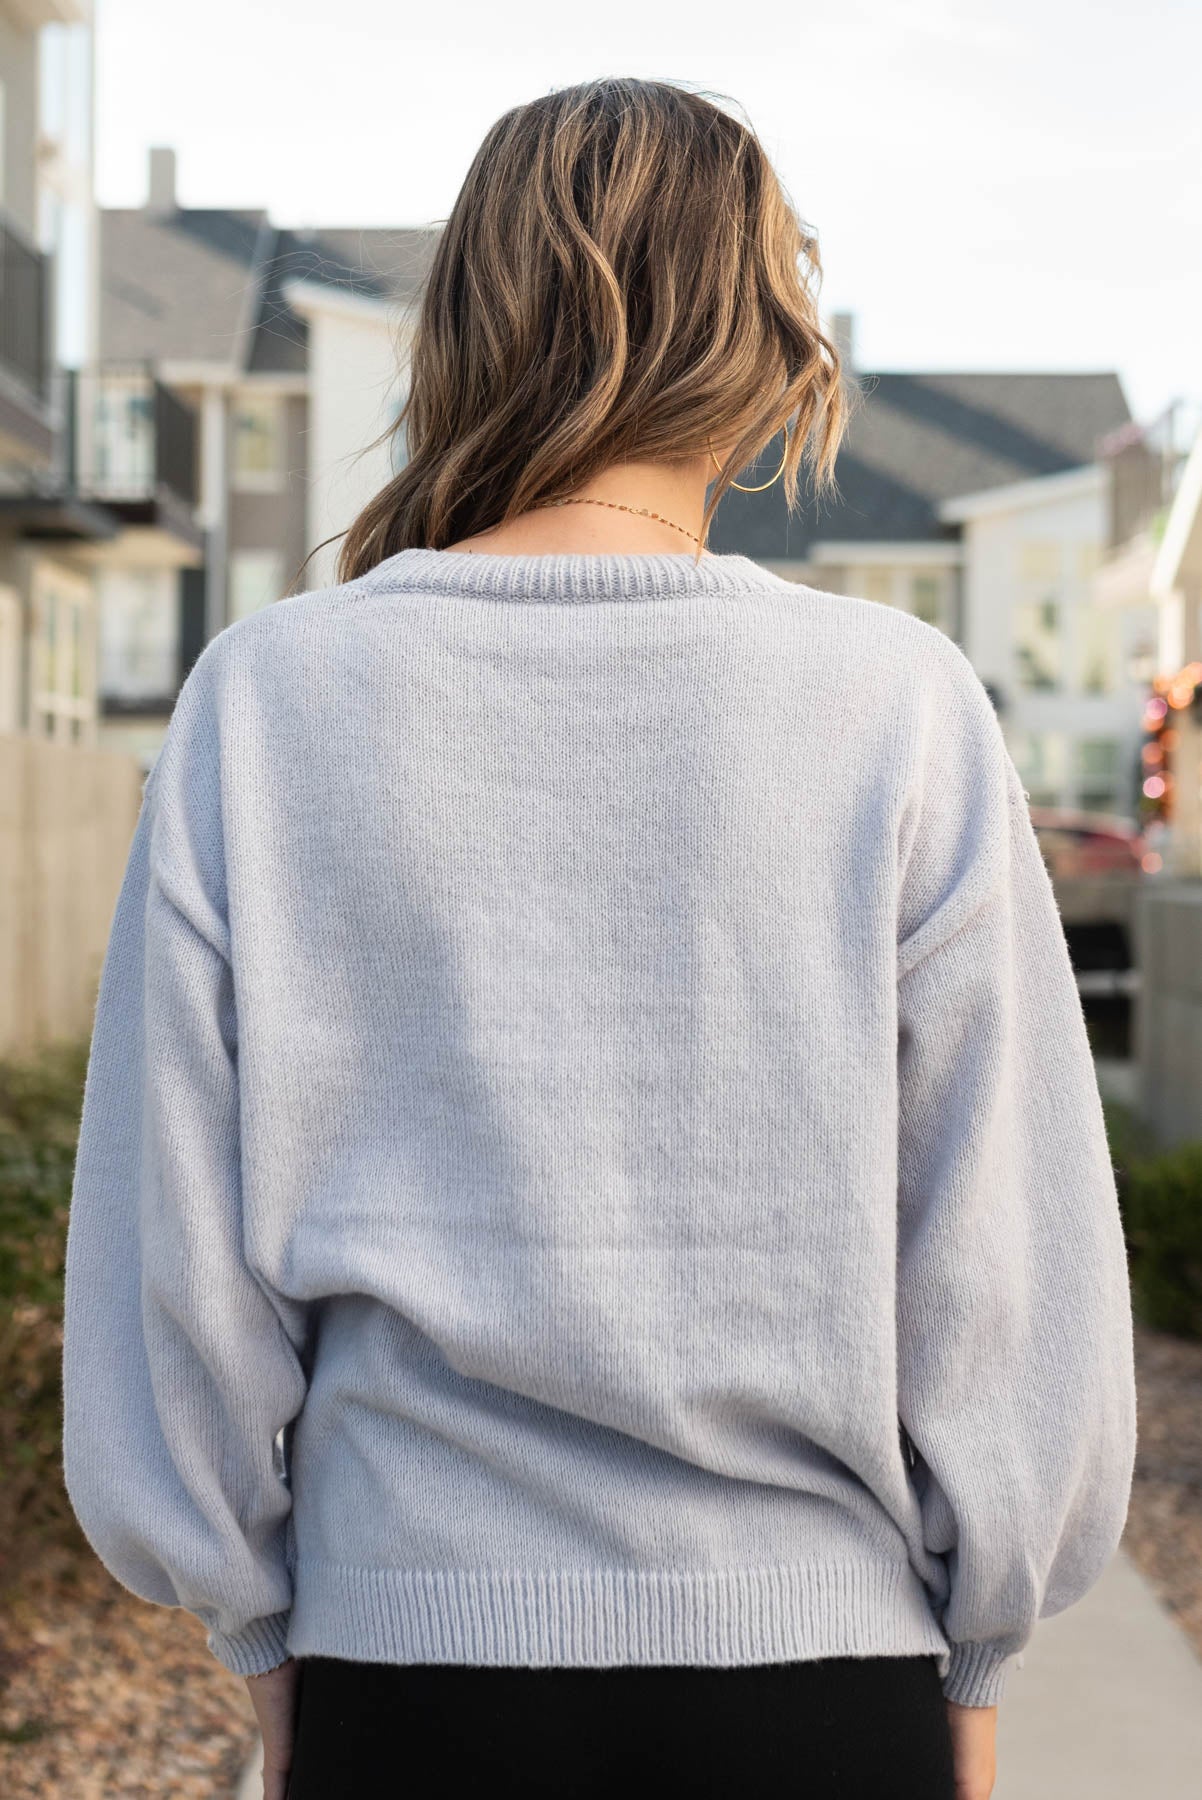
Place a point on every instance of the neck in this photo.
(676, 491)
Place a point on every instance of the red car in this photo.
(1081, 843)
(1095, 861)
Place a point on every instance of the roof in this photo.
(388, 265)
(176, 285)
(916, 440)
(198, 285)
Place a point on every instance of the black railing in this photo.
(175, 444)
(127, 435)
(24, 284)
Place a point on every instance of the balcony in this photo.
(130, 444)
(129, 439)
(125, 462)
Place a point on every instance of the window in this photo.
(923, 592)
(139, 634)
(873, 584)
(926, 599)
(256, 579)
(1041, 758)
(119, 435)
(1098, 774)
(63, 701)
(1097, 649)
(1040, 561)
(10, 659)
(257, 452)
(1037, 643)
(1089, 561)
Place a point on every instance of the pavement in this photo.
(1107, 1704)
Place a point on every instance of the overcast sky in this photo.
(994, 186)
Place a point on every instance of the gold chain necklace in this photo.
(588, 500)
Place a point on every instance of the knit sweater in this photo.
(590, 1151)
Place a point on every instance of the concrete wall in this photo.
(1168, 1008)
(67, 817)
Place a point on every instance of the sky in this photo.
(994, 186)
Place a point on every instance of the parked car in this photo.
(1095, 861)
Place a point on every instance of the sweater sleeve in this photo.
(178, 1370)
(1016, 1375)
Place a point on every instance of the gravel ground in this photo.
(113, 1696)
(102, 1694)
(1164, 1524)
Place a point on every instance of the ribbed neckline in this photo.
(607, 575)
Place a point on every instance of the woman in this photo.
(587, 1060)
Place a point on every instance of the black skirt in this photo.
(844, 1728)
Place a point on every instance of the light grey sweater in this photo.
(590, 1151)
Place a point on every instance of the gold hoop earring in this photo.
(763, 484)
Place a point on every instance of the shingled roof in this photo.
(177, 285)
(916, 440)
(194, 285)
(390, 266)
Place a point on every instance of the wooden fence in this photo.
(67, 818)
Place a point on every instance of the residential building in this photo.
(47, 612)
(981, 502)
(1175, 587)
(1162, 562)
(289, 346)
(97, 464)
(84, 453)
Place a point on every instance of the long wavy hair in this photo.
(622, 277)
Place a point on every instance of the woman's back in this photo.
(570, 909)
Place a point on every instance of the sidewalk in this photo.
(1107, 1705)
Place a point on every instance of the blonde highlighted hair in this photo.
(621, 277)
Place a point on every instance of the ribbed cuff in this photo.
(258, 1647)
(976, 1674)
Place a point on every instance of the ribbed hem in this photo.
(261, 1646)
(610, 1617)
(976, 1674)
(611, 575)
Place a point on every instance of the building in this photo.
(1175, 587)
(97, 463)
(1161, 561)
(289, 349)
(47, 612)
(982, 503)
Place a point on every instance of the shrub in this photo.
(1130, 1139)
(40, 1102)
(1162, 1219)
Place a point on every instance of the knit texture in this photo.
(590, 1151)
